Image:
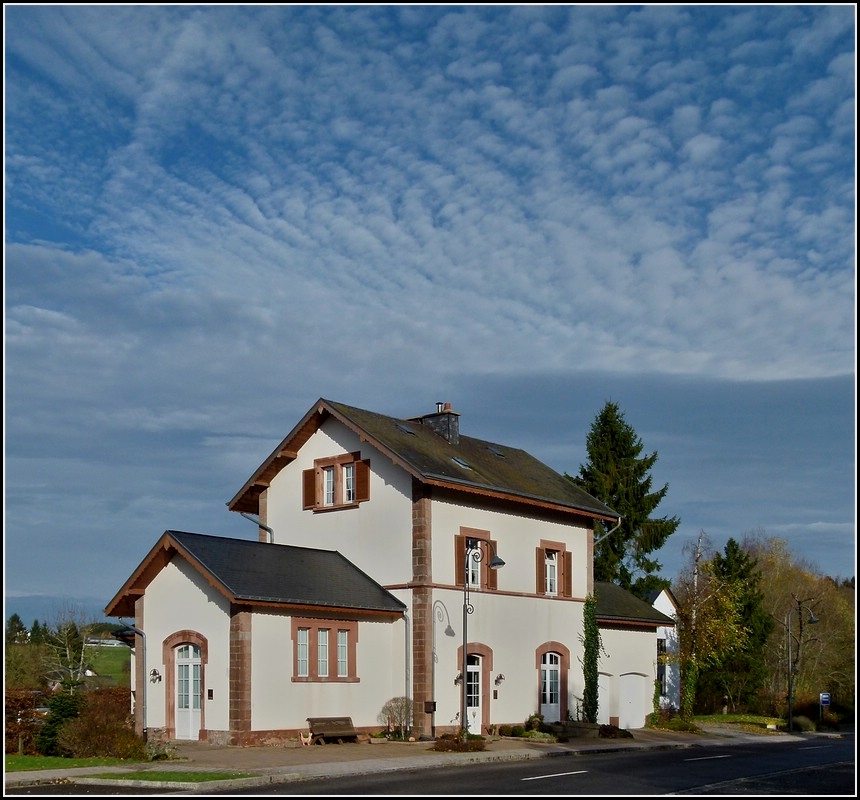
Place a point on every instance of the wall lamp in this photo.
(458, 679)
(154, 676)
(499, 679)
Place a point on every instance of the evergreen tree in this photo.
(38, 632)
(736, 680)
(16, 633)
(618, 475)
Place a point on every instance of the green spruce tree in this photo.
(618, 475)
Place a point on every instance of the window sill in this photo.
(341, 507)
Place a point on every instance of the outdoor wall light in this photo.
(459, 679)
(499, 679)
(154, 675)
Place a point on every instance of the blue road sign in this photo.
(824, 698)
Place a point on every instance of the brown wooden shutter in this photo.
(459, 560)
(567, 574)
(492, 574)
(362, 481)
(540, 570)
(309, 489)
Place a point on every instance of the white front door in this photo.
(550, 675)
(473, 694)
(188, 690)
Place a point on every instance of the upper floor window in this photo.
(553, 569)
(475, 571)
(338, 482)
(312, 642)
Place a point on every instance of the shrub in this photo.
(534, 722)
(804, 724)
(504, 730)
(613, 732)
(517, 730)
(102, 728)
(24, 719)
(64, 707)
(397, 713)
(828, 722)
(449, 743)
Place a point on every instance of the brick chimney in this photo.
(445, 422)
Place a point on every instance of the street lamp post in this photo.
(438, 608)
(476, 554)
(811, 621)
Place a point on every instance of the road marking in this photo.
(706, 758)
(556, 775)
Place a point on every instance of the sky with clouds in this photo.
(215, 215)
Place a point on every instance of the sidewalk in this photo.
(277, 764)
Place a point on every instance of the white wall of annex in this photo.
(516, 538)
(180, 587)
(376, 536)
(628, 668)
(277, 703)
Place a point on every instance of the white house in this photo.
(376, 575)
(668, 651)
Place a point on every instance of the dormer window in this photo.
(338, 482)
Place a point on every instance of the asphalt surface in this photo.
(278, 764)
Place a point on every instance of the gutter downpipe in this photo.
(260, 525)
(406, 674)
(598, 541)
(143, 678)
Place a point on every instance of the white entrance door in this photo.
(473, 694)
(550, 675)
(188, 688)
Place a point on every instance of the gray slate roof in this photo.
(617, 605)
(494, 470)
(259, 572)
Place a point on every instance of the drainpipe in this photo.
(598, 541)
(143, 676)
(406, 673)
(260, 525)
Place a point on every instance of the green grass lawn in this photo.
(16, 763)
(111, 662)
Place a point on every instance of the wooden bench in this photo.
(340, 729)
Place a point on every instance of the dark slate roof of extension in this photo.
(253, 572)
(617, 605)
(494, 470)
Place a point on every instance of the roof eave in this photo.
(532, 500)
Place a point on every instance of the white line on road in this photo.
(705, 758)
(557, 775)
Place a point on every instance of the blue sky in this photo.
(215, 215)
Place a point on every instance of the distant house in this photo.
(370, 579)
(668, 651)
